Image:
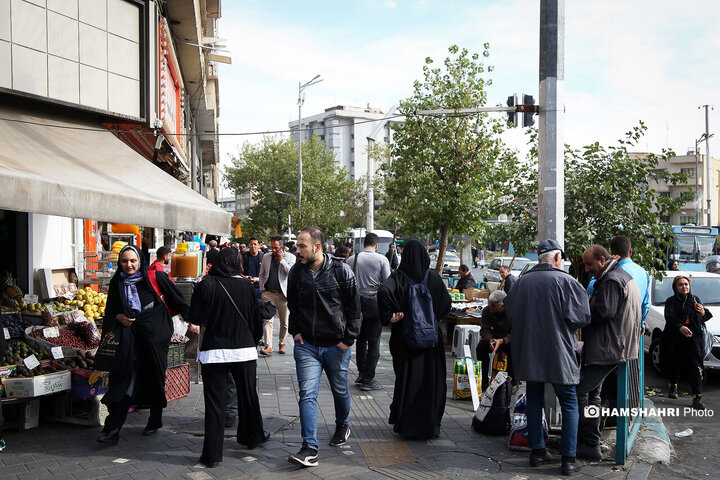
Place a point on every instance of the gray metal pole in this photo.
(551, 184)
(300, 141)
(370, 191)
(698, 203)
(707, 163)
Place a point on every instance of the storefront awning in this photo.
(77, 169)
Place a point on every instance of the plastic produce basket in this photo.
(177, 382)
(176, 354)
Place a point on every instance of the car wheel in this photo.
(654, 354)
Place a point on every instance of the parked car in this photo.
(704, 285)
(492, 272)
(451, 265)
(532, 263)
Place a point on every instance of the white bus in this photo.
(358, 236)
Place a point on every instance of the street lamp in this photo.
(698, 202)
(301, 100)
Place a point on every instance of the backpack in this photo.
(493, 415)
(419, 326)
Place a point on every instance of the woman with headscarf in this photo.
(226, 306)
(419, 397)
(682, 348)
(141, 311)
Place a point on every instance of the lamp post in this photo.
(301, 100)
(707, 161)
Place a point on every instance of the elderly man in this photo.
(508, 277)
(545, 307)
(494, 334)
(610, 339)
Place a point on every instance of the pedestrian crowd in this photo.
(549, 328)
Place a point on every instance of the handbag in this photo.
(708, 341)
(115, 350)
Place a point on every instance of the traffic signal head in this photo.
(528, 119)
(512, 101)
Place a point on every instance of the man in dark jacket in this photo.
(325, 320)
(494, 335)
(508, 278)
(466, 278)
(610, 339)
(545, 307)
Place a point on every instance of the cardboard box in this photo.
(86, 384)
(37, 386)
(31, 418)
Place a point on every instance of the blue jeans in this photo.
(567, 396)
(310, 361)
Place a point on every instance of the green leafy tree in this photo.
(608, 191)
(447, 173)
(331, 201)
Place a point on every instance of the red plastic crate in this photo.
(177, 382)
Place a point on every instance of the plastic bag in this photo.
(519, 435)
(461, 379)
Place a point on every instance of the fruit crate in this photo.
(176, 354)
(177, 382)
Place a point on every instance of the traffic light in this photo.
(512, 101)
(528, 115)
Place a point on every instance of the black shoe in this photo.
(570, 466)
(202, 463)
(230, 421)
(672, 391)
(2, 444)
(592, 453)
(306, 457)
(147, 431)
(370, 385)
(697, 404)
(542, 457)
(110, 438)
(342, 433)
(359, 380)
(266, 437)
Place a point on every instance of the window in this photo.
(690, 172)
(687, 219)
(322, 137)
(664, 194)
(687, 196)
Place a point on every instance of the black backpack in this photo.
(419, 325)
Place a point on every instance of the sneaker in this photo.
(342, 433)
(306, 457)
(281, 349)
(267, 351)
(2, 444)
(370, 385)
(359, 380)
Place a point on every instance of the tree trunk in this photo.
(441, 250)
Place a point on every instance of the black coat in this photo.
(465, 282)
(676, 348)
(150, 333)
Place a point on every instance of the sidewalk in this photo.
(56, 450)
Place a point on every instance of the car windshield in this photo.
(518, 264)
(451, 257)
(707, 289)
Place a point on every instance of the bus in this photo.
(692, 245)
(358, 236)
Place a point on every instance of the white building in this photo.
(346, 130)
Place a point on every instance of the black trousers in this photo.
(368, 347)
(592, 378)
(118, 412)
(250, 422)
(482, 352)
(694, 374)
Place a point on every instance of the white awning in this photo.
(91, 174)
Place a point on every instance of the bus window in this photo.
(685, 248)
(705, 246)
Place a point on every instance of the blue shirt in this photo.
(642, 280)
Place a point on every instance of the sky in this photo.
(625, 61)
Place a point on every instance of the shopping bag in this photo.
(115, 351)
(461, 379)
(493, 415)
(519, 435)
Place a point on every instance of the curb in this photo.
(652, 446)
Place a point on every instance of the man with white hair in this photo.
(494, 335)
(545, 307)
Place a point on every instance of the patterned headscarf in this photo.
(130, 281)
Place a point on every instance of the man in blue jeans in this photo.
(545, 307)
(324, 322)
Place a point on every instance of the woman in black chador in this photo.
(682, 350)
(419, 398)
(146, 325)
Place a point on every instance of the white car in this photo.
(492, 272)
(451, 265)
(705, 286)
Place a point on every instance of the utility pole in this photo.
(551, 182)
(707, 162)
(301, 100)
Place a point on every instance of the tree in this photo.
(447, 173)
(331, 201)
(608, 192)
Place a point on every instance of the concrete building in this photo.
(686, 164)
(345, 130)
(108, 120)
(237, 205)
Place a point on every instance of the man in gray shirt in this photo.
(370, 269)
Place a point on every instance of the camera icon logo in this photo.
(592, 411)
